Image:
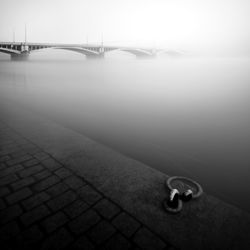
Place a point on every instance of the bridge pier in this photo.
(95, 56)
(145, 56)
(20, 57)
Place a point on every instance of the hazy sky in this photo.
(204, 25)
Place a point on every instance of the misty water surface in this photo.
(186, 116)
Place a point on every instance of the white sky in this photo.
(182, 24)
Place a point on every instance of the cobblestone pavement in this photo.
(44, 205)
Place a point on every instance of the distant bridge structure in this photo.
(21, 51)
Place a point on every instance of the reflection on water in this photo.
(182, 116)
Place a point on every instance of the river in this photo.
(182, 116)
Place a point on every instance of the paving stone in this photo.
(51, 164)
(21, 141)
(2, 204)
(74, 182)
(63, 173)
(8, 179)
(9, 150)
(41, 156)
(30, 171)
(27, 146)
(23, 183)
(84, 222)
(55, 221)
(4, 191)
(107, 208)
(62, 200)
(59, 240)
(19, 195)
(126, 224)
(3, 152)
(29, 239)
(42, 175)
(31, 149)
(147, 240)
(76, 208)
(10, 170)
(46, 183)
(117, 241)
(10, 213)
(57, 189)
(18, 160)
(6, 141)
(4, 158)
(2, 147)
(17, 154)
(9, 230)
(89, 195)
(34, 215)
(171, 248)
(30, 163)
(10, 145)
(2, 166)
(12, 135)
(101, 232)
(83, 244)
(35, 200)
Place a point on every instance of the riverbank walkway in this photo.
(44, 203)
(61, 190)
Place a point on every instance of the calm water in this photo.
(181, 116)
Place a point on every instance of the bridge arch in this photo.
(171, 53)
(136, 52)
(10, 51)
(89, 52)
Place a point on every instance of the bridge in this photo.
(21, 51)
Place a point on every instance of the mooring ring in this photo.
(183, 183)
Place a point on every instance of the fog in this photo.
(182, 116)
(217, 27)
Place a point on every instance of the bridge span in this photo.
(21, 51)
